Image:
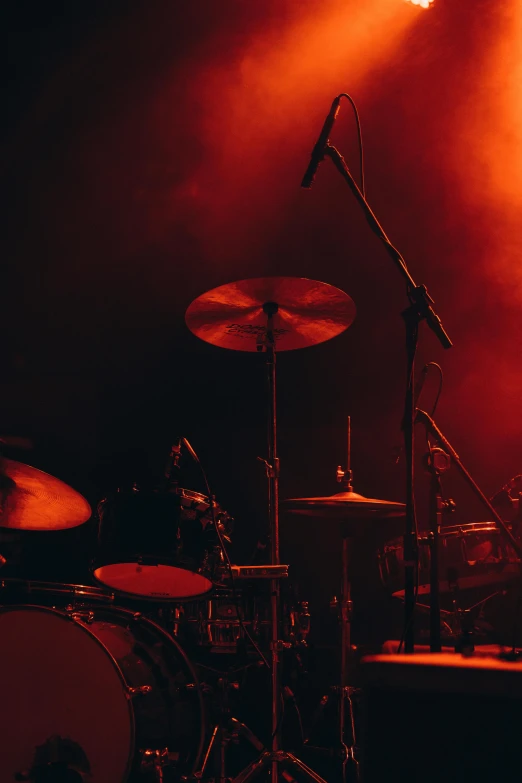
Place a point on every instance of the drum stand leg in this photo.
(226, 730)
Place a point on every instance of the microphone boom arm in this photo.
(417, 294)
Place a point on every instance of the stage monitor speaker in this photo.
(441, 718)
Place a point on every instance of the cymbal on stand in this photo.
(345, 505)
(33, 500)
(308, 312)
(354, 514)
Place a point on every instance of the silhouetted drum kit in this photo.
(104, 683)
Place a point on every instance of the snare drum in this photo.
(92, 692)
(226, 620)
(159, 545)
(472, 556)
(220, 623)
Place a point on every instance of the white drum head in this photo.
(153, 581)
(57, 680)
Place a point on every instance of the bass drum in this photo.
(95, 694)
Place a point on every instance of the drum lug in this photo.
(80, 616)
(157, 759)
(141, 690)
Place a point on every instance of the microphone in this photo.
(317, 155)
(173, 459)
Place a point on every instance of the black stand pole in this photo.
(271, 760)
(438, 461)
(271, 308)
(420, 309)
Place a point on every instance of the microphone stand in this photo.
(446, 445)
(432, 427)
(420, 308)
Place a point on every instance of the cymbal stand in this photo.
(346, 718)
(345, 750)
(271, 760)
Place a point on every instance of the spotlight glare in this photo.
(421, 3)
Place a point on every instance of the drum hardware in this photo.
(226, 730)
(221, 550)
(438, 464)
(141, 690)
(79, 616)
(446, 445)
(33, 500)
(268, 315)
(279, 571)
(157, 760)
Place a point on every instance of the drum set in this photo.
(130, 678)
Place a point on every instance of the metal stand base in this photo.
(287, 763)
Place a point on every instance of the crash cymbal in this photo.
(308, 312)
(33, 500)
(344, 505)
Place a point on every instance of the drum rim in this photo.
(469, 527)
(190, 494)
(445, 532)
(78, 624)
(58, 588)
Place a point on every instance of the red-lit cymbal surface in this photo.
(344, 505)
(33, 500)
(232, 315)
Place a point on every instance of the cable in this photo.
(441, 383)
(359, 135)
(225, 553)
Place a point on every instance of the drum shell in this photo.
(152, 529)
(157, 684)
(148, 526)
(473, 555)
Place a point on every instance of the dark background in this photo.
(153, 150)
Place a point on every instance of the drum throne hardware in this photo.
(352, 511)
(269, 315)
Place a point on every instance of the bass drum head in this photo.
(152, 581)
(62, 697)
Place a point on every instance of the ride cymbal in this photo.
(308, 312)
(33, 500)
